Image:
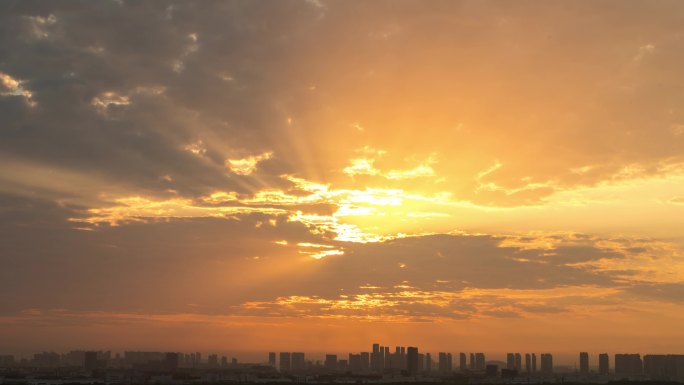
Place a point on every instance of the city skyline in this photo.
(443, 361)
(248, 176)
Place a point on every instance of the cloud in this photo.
(248, 165)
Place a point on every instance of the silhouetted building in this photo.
(479, 361)
(472, 361)
(604, 366)
(528, 363)
(428, 362)
(365, 361)
(343, 365)
(492, 371)
(584, 363)
(628, 365)
(412, 360)
(285, 361)
(387, 357)
(6, 361)
(272, 359)
(445, 362)
(171, 361)
(213, 361)
(298, 362)
(90, 362)
(462, 362)
(509, 373)
(534, 362)
(377, 358)
(663, 367)
(355, 362)
(546, 363)
(331, 361)
(510, 361)
(518, 362)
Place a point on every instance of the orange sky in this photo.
(322, 175)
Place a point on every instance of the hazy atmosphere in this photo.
(316, 175)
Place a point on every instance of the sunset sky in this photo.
(245, 176)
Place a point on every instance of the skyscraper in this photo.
(428, 362)
(377, 358)
(387, 357)
(462, 362)
(518, 362)
(510, 361)
(331, 361)
(171, 361)
(365, 361)
(528, 363)
(285, 361)
(90, 362)
(445, 362)
(355, 362)
(272, 359)
(628, 365)
(472, 361)
(584, 362)
(604, 365)
(298, 361)
(546, 363)
(534, 362)
(479, 361)
(412, 360)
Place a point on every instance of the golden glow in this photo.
(248, 165)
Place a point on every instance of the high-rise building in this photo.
(479, 361)
(355, 362)
(90, 363)
(376, 358)
(285, 361)
(628, 365)
(171, 361)
(584, 363)
(546, 363)
(331, 362)
(528, 363)
(472, 361)
(6, 361)
(343, 365)
(213, 361)
(510, 361)
(534, 362)
(604, 366)
(518, 362)
(272, 359)
(462, 362)
(387, 357)
(412, 360)
(662, 367)
(298, 361)
(365, 361)
(428, 362)
(445, 362)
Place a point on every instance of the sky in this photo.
(246, 176)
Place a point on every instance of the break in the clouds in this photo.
(452, 162)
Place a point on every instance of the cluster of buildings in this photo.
(402, 364)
